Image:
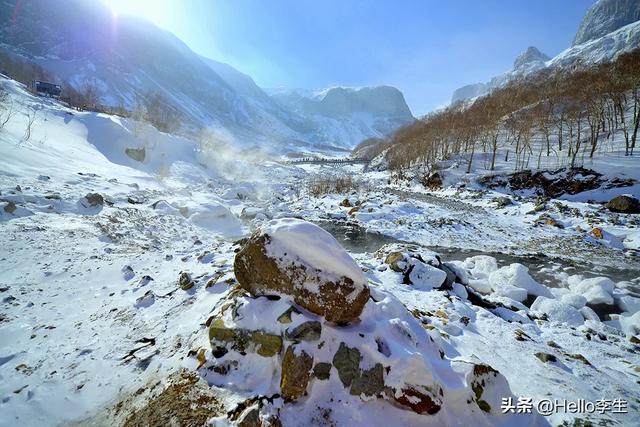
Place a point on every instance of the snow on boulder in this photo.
(574, 300)
(558, 311)
(421, 269)
(478, 268)
(301, 261)
(628, 303)
(385, 369)
(517, 275)
(596, 290)
(630, 323)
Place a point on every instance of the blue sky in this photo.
(425, 48)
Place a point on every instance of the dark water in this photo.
(358, 240)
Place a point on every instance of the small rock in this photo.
(546, 357)
(93, 200)
(307, 331)
(418, 401)
(347, 363)
(261, 271)
(185, 282)
(502, 201)
(322, 371)
(241, 340)
(10, 207)
(296, 371)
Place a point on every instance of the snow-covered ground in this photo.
(92, 308)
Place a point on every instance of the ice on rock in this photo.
(558, 311)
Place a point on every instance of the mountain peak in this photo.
(531, 54)
(606, 16)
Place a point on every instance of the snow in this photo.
(291, 238)
(596, 290)
(558, 311)
(517, 275)
(72, 310)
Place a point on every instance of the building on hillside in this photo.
(46, 88)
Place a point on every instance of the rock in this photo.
(393, 260)
(307, 331)
(322, 371)
(296, 371)
(547, 220)
(137, 154)
(242, 340)
(93, 200)
(597, 233)
(286, 316)
(298, 259)
(624, 204)
(185, 282)
(369, 382)
(186, 400)
(432, 181)
(250, 417)
(546, 357)
(418, 400)
(10, 207)
(146, 300)
(502, 201)
(346, 203)
(347, 363)
(127, 272)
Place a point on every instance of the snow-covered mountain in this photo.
(340, 114)
(609, 28)
(606, 16)
(128, 57)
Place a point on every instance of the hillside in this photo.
(609, 28)
(126, 59)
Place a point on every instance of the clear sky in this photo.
(426, 48)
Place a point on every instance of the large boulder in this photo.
(300, 261)
(624, 204)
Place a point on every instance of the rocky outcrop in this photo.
(605, 17)
(266, 266)
(290, 358)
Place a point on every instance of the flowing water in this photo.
(541, 267)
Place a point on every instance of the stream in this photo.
(542, 268)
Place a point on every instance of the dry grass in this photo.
(328, 184)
